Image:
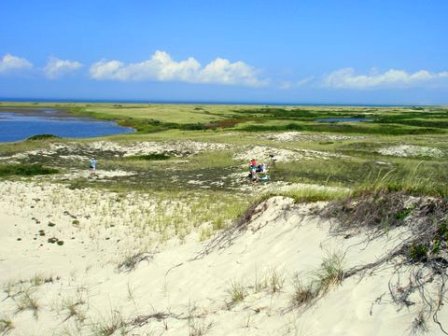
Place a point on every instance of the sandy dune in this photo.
(112, 279)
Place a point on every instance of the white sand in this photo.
(308, 137)
(188, 288)
(268, 154)
(71, 150)
(411, 151)
(98, 174)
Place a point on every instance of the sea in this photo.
(19, 124)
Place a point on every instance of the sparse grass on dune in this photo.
(166, 214)
(311, 194)
(6, 325)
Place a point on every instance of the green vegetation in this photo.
(184, 175)
(25, 170)
(27, 302)
(6, 325)
(149, 118)
(109, 326)
(381, 121)
(42, 137)
(326, 160)
(237, 292)
(418, 252)
(303, 294)
(151, 157)
(331, 272)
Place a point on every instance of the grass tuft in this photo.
(131, 262)
(27, 302)
(108, 327)
(303, 294)
(237, 292)
(6, 325)
(331, 272)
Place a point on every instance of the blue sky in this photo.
(302, 51)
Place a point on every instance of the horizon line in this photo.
(192, 102)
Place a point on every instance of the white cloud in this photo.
(56, 67)
(162, 67)
(10, 62)
(346, 78)
(285, 85)
(305, 81)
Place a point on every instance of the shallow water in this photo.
(16, 125)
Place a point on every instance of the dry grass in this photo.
(237, 292)
(6, 325)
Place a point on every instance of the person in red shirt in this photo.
(253, 170)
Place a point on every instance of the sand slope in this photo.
(90, 287)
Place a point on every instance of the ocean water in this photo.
(16, 126)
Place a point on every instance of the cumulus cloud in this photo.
(56, 67)
(162, 67)
(347, 78)
(10, 63)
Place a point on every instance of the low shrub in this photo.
(418, 252)
(152, 157)
(42, 137)
(26, 170)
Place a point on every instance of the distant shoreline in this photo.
(204, 102)
(35, 111)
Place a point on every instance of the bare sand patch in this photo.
(268, 154)
(306, 137)
(181, 148)
(99, 174)
(77, 151)
(411, 151)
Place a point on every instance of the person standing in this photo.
(92, 166)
